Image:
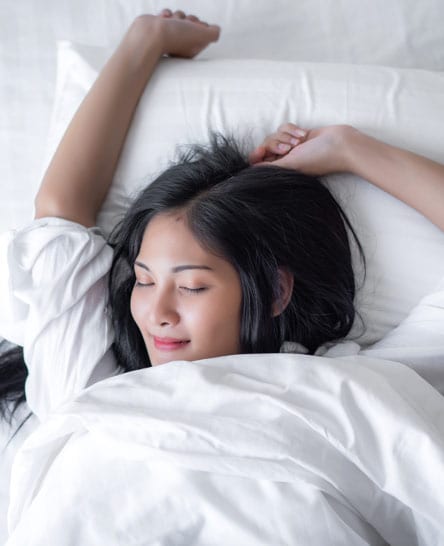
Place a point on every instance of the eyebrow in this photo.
(178, 268)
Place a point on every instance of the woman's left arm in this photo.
(412, 178)
(81, 171)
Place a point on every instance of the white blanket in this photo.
(252, 449)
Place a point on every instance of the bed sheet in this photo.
(394, 33)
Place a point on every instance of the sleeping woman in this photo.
(224, 253)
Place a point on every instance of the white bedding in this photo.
(388, 80)
(352, 445)
(250, 449)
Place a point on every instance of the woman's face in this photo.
(186, 301)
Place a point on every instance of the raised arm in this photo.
(81, 171)
(414, 179)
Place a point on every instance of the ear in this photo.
(286, 282)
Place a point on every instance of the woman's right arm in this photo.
(414, 179)
(81, 171)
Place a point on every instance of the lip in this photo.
(169, 343)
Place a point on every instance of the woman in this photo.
(192, 293)
(214, 258)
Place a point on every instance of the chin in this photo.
(158, 361)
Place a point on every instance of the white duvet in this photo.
(251, 449)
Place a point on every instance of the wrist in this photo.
(349, 145)
(144, 37)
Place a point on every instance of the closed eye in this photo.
(185, 288)
(193, 290)
(138, 283)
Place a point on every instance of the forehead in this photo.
(168, 231)
(168, 241)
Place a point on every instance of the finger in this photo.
(214, 32)
(210, 33)
(287, 138)
(257, 155)
(179, 14)
(271, 157)
(292, 129)
(193, 18)
(275, 146)
(260, 154)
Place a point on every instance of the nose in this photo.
(163, 309)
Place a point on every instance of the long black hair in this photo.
(13, 374)
(259, 218)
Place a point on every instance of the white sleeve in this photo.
(419, 340)
(56, 305)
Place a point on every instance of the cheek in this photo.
(216, 322)
(136, 307)
(194, 314)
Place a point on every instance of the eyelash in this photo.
(191, 290)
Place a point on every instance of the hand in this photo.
(316, 152)
(179, 35)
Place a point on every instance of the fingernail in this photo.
(283, 147)
(294, 141)
(299, 132)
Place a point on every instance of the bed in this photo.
(378, 67)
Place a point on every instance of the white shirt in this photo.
(56, 295)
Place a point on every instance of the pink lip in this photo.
(169, 343)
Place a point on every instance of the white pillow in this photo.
(185, 99)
